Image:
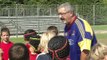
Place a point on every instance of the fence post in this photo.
(50, 10)
(17, 21)
(38, 10)
(93, 14)
(76, 10)
(8, 11)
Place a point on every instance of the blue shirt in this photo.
(80, 36)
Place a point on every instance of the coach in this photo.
(78, 31)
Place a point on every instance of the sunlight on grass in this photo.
(99, 27)
(17, 40)
(100, 37)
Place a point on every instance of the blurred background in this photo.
(20, 15)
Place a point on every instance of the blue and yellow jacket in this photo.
(81, 36)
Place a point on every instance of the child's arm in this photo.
(1, 54)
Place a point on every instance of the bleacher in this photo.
(18, 24)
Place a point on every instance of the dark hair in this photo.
(58, 45)
(30, 33)
(35, 44)
(18, 52)
(5, 29)
(53, 29)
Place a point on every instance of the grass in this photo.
(17, 40)
(100, 37)
(103, 36)
(99, 27)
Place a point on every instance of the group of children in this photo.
(36, 47)
(48, 46)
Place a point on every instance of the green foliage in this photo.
(104, 1)
(49, 2)
(86, 11)
(101, 15)
(85, 2)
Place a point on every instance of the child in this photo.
(5, 42)
(43, 46)
(32, 41)
(58, 48)
(1, 52)
(28, 34)
(98, 52)
(18, 52)
(53, 29)
(34, 48)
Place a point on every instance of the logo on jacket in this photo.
(71, 42)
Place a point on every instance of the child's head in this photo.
(58, 48)
(44, 41)
(98, 52)
(18, 52)
(5, 34)
(52, 29)
(34, 46)
(30, 33)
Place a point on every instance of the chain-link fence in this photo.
(39, 17)
(95, 14)
(28, 10)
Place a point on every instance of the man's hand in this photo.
(84, 54)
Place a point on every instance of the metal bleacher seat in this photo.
(18, 25)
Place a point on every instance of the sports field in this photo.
(100, 31)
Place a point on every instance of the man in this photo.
(78, 31)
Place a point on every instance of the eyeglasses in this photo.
(63, 13)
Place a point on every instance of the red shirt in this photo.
(5, 47)
(28, 46)
(33, 56)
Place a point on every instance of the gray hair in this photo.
(67, 6)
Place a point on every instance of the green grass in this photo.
(100, 37)
(17, 40)
(99, 27)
